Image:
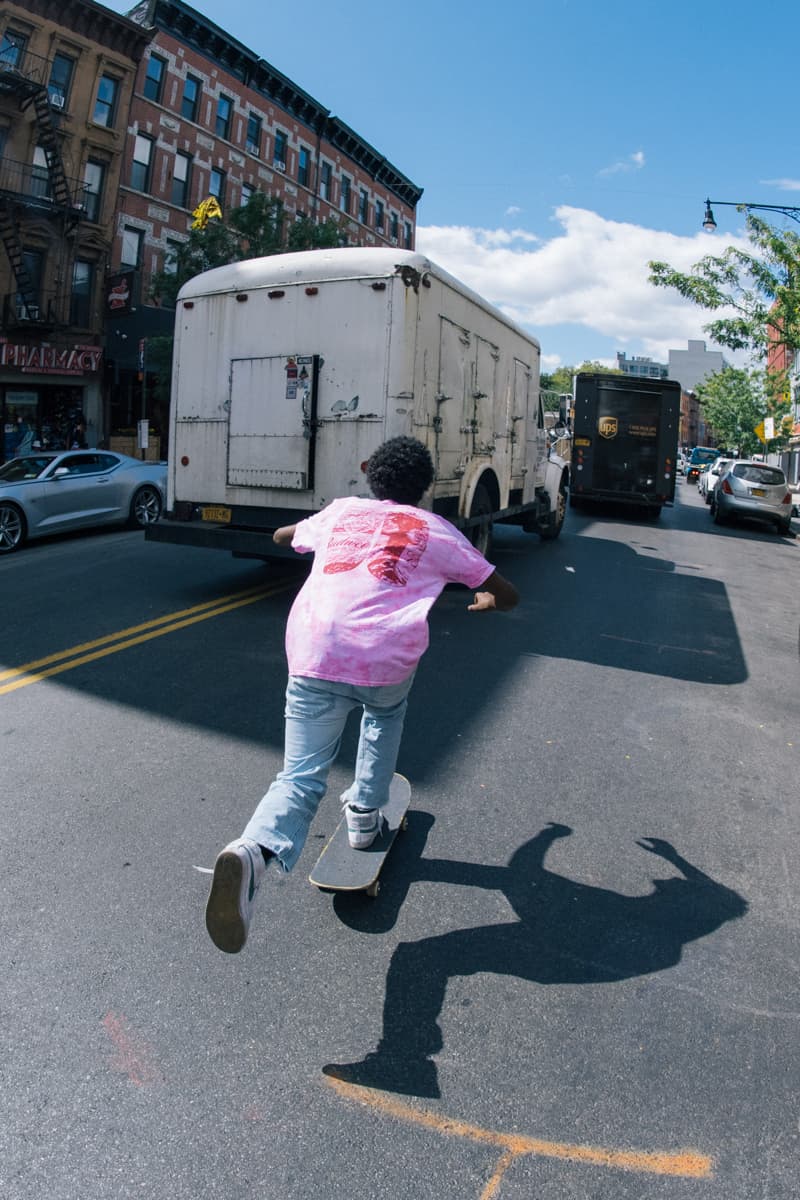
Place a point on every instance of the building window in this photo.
(132, 240)
(105, 105)
(191, 98)
(247, 192)
(363, 206)
(40, 175)
(94, 175)
(379, 215)
(216, 185)
(394, 226)
(407, 233)
(154, 78)
(253, 140)
(12, 48)
(344, 195)
(81, 297)
(303, 167)
(181, 173)
(33, 261)
(325, 182)
(222, 127)
(140, 168)
(171, 256)
(60, 79)
(279, 154)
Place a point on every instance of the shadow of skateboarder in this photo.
(567, 933)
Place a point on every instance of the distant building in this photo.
(645, 368)
(691, 366)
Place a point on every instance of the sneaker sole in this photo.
(224, 922)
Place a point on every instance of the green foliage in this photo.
(735, 401)
(760, 289)
(560, 380)
(258, 228)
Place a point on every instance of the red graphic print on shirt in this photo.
(393, 543)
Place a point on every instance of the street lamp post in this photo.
(709, 224)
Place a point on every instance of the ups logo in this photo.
(607, 427)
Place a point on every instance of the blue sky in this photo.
(561, 145)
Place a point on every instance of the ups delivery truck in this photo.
(625, 440)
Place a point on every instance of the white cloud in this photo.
(592, 274)
(784, 185)
(513, 210)
(634, 162)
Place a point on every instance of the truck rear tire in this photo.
(481, 535)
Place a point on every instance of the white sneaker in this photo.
(363, 826)
(238, 872)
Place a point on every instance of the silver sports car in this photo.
(44, 493)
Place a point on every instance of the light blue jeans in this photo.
(316, 712)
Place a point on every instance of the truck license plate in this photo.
(216, 513)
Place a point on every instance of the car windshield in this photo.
(760, 473)
(29, 467)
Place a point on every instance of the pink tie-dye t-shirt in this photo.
(361, 616)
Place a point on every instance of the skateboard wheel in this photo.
(374, 888)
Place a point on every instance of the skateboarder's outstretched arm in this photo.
(497, 593)
(284, 535)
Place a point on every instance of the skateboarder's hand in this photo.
(498, 594)
(483, 601)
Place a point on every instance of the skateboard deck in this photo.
(339, 868)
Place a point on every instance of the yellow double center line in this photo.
(76, 656)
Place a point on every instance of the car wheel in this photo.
(784, 528)
(718, 515)
(145, 506)
(12, 528)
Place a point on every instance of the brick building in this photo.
(66, 78)
(209, 117)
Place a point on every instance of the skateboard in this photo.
(339, 868)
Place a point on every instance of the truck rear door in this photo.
(272, 421)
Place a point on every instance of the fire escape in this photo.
(28, 190)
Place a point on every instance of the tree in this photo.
(560, 380)
(258, 228)
(761, 288)
(735, 401)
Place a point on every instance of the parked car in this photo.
(44, 493)
(749, 488)
(700, 457)
(709, 478)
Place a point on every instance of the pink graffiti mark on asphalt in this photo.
(132, 1055)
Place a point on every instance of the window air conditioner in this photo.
(57, 100)
(279, 166)
(27, 312)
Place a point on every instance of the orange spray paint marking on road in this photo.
(132, 1056)
(685, 1164)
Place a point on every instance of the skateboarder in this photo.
(355, 634)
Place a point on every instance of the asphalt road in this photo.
(581, 977)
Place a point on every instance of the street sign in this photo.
(759, 432)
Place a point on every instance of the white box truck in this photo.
(290, 370)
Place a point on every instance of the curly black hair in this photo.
(400, 470)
